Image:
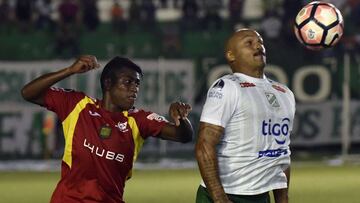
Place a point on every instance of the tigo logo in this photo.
(279, 130)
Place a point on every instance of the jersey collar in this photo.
(251, 79)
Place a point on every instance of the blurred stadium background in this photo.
(179, 44)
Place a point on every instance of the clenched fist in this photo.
(84, 63)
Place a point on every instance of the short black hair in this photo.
(113, 66)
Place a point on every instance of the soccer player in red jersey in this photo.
(103, 137)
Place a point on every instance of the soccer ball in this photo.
(319, 25)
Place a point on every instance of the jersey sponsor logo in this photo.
(271, 98)
(215, 94)
(247, 84)
(218, 85)
(273, 153)
(95, 114)
(102, 153)
(215, 91)
(279, 130)
(279, 88)
(122, 126)
(156, 117)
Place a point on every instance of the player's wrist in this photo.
(221, 199)
(69, 70)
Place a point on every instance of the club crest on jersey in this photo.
(122, 126)
(271, 98)
(105, 131)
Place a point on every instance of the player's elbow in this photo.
(29, 95)
(26, 94)
(199, 150)
(204, 150)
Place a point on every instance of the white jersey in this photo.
(257, 115)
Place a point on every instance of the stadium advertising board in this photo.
(27, 130)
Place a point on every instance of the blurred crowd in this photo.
(65, 18)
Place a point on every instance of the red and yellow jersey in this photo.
(100, 146)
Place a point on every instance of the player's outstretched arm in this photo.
(209, 137)
(34, 90)
(181, 130)
(281, 195)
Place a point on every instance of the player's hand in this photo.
(179, 110)
(222, 199)
(83, 64)
(226, 201)
(281, 195)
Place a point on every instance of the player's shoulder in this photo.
(231, 78)
(279, 86)
(225, 81)
(72, 94)
(135, 111)
(61, 89)
(69, 92)
(64, 90)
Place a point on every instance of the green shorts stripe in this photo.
(202, 196)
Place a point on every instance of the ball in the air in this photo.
(319, 25)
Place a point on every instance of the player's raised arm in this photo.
(181, 130)
(34, 90)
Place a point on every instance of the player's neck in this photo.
(259, 73)
(107, 104)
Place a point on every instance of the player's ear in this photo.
(230, 56)
(107, 84)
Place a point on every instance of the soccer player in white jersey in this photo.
(244, 135)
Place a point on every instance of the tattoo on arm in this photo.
(209, 137)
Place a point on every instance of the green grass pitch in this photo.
(309, 183)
